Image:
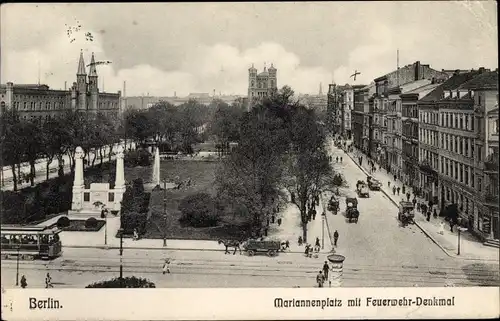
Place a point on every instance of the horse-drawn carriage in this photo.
(362, 189)
(351, 211)
(406, 212)
(333, 204)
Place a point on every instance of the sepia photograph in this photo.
(280, 145)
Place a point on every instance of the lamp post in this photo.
(460, 229)
(17, 265)
(121, 255)
(165, 212)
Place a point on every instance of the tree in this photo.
(309, 171)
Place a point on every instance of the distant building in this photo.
(39, 102)
(261, 85)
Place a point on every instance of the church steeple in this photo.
(81, 65)
(93, 71)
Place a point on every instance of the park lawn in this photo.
(202, 175)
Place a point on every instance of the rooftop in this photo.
(486, 80)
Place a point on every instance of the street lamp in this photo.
(460, 229)
(18, 247)
(165, 212)
(121, 255)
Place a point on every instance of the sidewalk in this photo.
(470, 247)
(291, 228)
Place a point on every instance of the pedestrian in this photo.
(398, 189)
(394, 190)
(320, 279)
(166, 266)
(279, 221)
(335, 237)
(48, 281)
(326, 268)
(428, 216)
(24, 283)
(408, 198)
(441, 228)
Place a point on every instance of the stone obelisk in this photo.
(120, 178)
(78, 182)
(156, 168)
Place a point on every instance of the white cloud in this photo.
(221, 67)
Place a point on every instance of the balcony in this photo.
(425, 166)
(491, 199)
(491, 164)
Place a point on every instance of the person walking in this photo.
(166, 266)
(48, 281)
(326, 268)
(335, 237)
(320, 279)
(24, 283)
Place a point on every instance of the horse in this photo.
(230, 243)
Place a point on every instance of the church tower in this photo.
(252, 83)
(273, 80)
(81, 84)
(93, 85)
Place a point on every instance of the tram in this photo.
(30, 242)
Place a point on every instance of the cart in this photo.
(253, 247)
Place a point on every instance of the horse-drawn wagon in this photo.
(271, 247)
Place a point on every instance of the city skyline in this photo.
(216, 46)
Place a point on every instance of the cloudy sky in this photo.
(181, 47)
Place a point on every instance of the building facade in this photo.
(261, 85)
(387, 129)
(484, 89)
(39, 102)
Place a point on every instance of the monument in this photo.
(84, 200)
(156, 168)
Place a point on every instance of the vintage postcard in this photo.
(258, 160)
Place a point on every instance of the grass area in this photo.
(202, 175)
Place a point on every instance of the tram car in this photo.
(30, 242)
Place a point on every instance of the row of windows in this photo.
(31, 105)
(459, 172)
(428, 117)
(457, 120)
(410, 111)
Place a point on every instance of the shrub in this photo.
(63, 222)
(199, 210)
(128, 282)
(91, 222)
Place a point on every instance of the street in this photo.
(81, 267)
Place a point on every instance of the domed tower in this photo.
(273, 80)
(252, 82)
(81, 83)
(93, 85)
